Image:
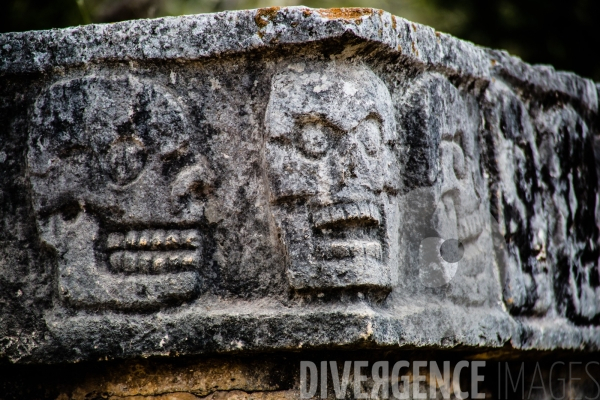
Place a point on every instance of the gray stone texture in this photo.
(284, 179)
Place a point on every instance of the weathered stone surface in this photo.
(284, 179)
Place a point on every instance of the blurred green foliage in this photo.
(565, 34)
(557, 32)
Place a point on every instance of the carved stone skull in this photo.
(443, 211)
(333, 175)
(117, 192)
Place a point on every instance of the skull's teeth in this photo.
(115, 241)
(172, 240)
(157, 239)
(154, 239)
(343, 213)
(470, 226)
(350, 249)
(192, 239)
(152, 262)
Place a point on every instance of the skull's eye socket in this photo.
(314, 139)
(459, 162)
(125, 160)
(70, 210)
(75, 150)
(369, 134)
(201, 190)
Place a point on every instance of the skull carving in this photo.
(333, 174)
(115, 191)
(443, 211)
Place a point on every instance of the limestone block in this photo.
(282, 179)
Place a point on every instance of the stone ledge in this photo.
(196, 37)
(287, 179)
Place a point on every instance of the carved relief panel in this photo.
(516, 187)
(542, 207)
(565, 144)
(333, 175)
(358, 201)
(447, 233)
(124, 222)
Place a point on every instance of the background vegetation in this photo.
(563, 33)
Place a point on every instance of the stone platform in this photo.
(289, 181)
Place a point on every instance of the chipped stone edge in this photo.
(195, 37)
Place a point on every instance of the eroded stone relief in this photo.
(446, 231)
(569, 173)
(543, 208)
(516, 199)
(358, 202)
(123, 219)
(333, 175)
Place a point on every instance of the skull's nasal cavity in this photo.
(125, 160)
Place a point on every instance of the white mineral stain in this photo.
(369, 332)
(349, 89)
(163, 340)
(215, 84)
(297, 67)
